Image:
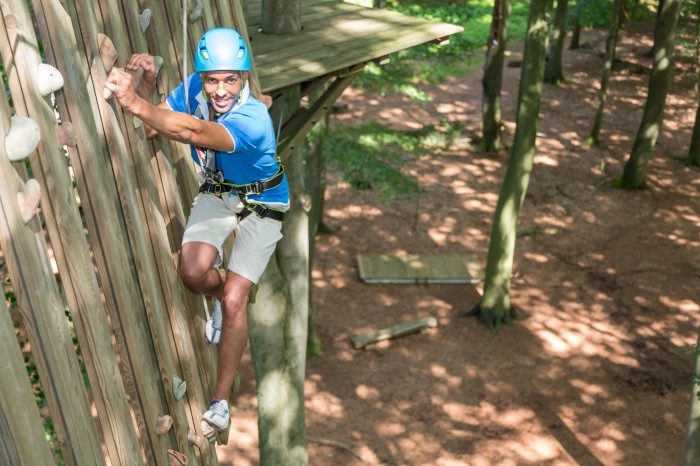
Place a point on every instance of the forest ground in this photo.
(607, 280)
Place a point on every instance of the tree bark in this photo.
(278, 322)
(554, 71)
(281, 16)
(694, 151)
(495, 307)
(691, 448)
(576, 31)
(635, 169)
(493, 78)
(594, 137)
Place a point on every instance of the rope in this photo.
(184, 55)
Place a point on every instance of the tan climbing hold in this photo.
(65, 134)
(108, 53)
(177, 459)
(164, 424)
(28, 200)
(194, 438)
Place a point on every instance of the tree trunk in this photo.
(281, 16)
(278, 322)
(691, 449)
(594, 137)
(493, 78)
(495, 308)
(694, 151)
(576, 33)
(554, 71)
(661, 74)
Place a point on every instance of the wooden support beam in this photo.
(396, 331)
(299, 125)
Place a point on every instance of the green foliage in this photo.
(373, 156)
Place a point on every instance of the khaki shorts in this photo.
(213, 219)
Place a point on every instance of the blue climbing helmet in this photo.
(221, 49)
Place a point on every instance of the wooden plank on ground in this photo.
(414, 268)
(406, 328)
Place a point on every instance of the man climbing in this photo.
(243, 186)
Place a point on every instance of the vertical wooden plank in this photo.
(22, 439)
(37, 292)
(76, 269)
(85, 75)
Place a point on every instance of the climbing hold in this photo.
(108, 53)
(22, 139)
(145, 19)
(136, 121)
(179, 387)
(176, 458)
(65, 134)
(159, 63)
(29, 199)
(163, 425)
(196, 11)
(50, 79)
(194, 438)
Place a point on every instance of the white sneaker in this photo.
(217, 415)
(213, 328)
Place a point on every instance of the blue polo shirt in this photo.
(250, 126)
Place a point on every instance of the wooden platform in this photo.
(386, 268)
(336, 36)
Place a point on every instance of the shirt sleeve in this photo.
(246, 131)
(176, 99)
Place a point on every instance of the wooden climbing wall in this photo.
(80, 183)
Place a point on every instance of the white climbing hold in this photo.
(179, 387)
(145, 19)
(108, 53)
(22, 139)
(50, 79)
(28, 200)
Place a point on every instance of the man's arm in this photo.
(173, 125)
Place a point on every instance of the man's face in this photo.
(223, 88)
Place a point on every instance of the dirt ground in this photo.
(608, 282)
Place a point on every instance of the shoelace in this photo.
(216, 315)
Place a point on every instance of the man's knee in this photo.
(235, 306)
(193, 276)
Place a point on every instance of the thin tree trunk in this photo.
(635, 169)
(554, 71)
(694, 151)
(277, 327)
(691, 449)
(281, 16)
(495, 307)
(493, 78)
(594, 137)
(576, 32)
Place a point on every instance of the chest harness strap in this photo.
(244, 190)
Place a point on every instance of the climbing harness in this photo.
(216, 184)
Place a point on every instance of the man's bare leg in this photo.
(197, 269)
(234, 333)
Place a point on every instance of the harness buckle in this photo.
(256, 187)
